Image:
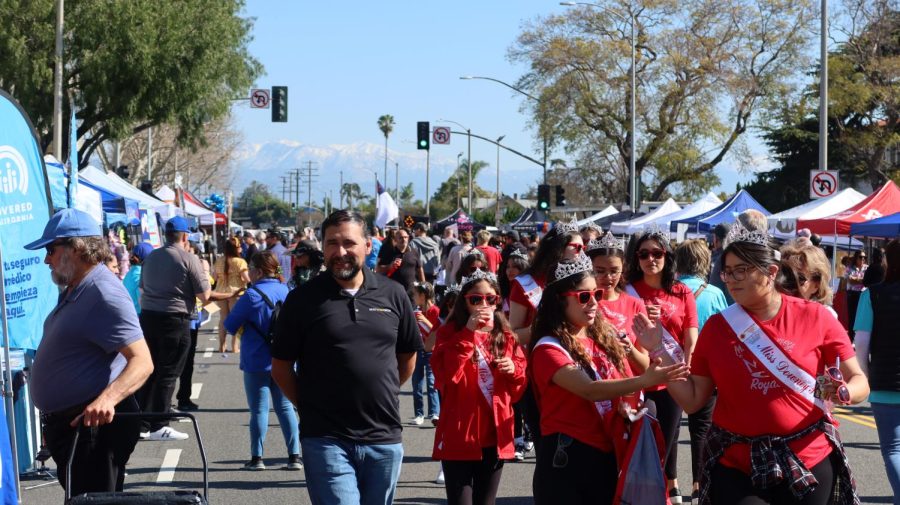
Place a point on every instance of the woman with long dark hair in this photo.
(479, 368)
(877, 328)
(582, 380)
(651, 278)
(777, 362)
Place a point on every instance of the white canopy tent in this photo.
(638, 224)
(116, 185)
(706, 203)
(784, 224)
(206, 216)
(600, 215)
(89, 200)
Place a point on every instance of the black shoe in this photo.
(188, 406)
(255, 463)
(294, 463)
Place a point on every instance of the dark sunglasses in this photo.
(802, 279)
(656, 253)
(51, 247)
(481, 299)
(586, 295)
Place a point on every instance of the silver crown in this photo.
(740, 234)
(592, 226)
(563, 228)
(607, 241)
(657, 232)
(452, 289)
(474, 252)
(564, 269)
(477, 275)
(518, 253)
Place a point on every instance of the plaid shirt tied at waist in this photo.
(771, 461)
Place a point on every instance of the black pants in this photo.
(573, 473)
(473, 482)
(99, 464)
(698, 426)
(187, 373)
(168, 336)
(852, 305)
(733, 487)
(669, 414)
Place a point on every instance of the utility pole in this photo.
(284, 189)
(309, 172)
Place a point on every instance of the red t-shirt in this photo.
(751, 401)
(620, 313)
(433, 315)
(568, 413)
(517, 295)
(492, 255)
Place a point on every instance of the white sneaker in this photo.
(529, 446)
(165, 434)
(440, 477)
(144, 435)
(418, 420)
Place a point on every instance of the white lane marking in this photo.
(213, 339)
(207, 353)
(195, 390)
(169, 463)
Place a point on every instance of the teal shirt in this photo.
(864, 322)
(711, 301)
(132, 282)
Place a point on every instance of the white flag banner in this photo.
(387, 210)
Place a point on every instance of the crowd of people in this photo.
(553, 344)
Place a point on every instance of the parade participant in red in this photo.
(582, 380)
(651, 278)
(777, 362)
(608, 257)
(515, 265)
(479, 368)
(428, 320)
(562, 242)
(472, 261)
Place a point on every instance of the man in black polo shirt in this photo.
(401, 263)
(354, 338)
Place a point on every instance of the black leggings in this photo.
(733, 487)
(473, 482)
(669, 415)
(698, 425)
(571, 472)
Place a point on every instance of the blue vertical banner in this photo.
(8, 487)
(73, 159)
(29, 292)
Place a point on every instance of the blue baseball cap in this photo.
(141, 250)
(67, 223)
(177, 223)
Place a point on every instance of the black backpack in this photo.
(268, 336)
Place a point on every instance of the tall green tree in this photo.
(258, 205)
(386, 125)
(128, 65)
(351, 192)
(704, 70)
(454, 190)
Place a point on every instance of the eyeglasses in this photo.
(737, 274)
(51, 247)
(576, 246)
(610, 273)
(802, 279)
(586, 295)
(475, 299)
(646, 253)
(561, 457)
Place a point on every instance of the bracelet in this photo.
(658, 351)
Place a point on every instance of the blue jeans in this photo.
(259, 386)
(339, 472)
(887, 419)
(422, 377)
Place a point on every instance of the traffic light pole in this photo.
(427, 182)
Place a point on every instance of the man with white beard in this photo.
(92, 359)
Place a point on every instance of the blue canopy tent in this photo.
(725, 213)
(887, 227)
(115, 204)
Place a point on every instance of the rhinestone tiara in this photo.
(564, 269)
(607, 241)
(519, 254)
(592, 226)
(656, 232)
(474, 252)
(740, 234)
(452, 289)
(563, 228)
(477, 275)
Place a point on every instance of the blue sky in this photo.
(347, 63)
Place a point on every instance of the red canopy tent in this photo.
(221, 219)
(884, 202)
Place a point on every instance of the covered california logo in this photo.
(13, 171)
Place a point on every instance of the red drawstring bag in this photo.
(641, 478)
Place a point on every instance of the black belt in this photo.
(173, 315)
(63, 415)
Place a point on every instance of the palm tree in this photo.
(351, 191)
(386, 125)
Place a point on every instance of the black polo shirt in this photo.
(410, 263)
(346, 351)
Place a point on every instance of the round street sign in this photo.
(259, 99)
(441, 135)
(822, 183)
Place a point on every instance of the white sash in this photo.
(788, 373)
(603, 407)
(669, 343)
(485, 378)
(532, 291)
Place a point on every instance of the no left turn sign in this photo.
(441, 135)
(822, 183)
(259, 99)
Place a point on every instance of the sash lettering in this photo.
(532, 290)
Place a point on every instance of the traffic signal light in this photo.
(543, 196)
(424, 135)
(560, 196)
(123, 171)
(279, 104)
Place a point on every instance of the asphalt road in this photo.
(223, 423)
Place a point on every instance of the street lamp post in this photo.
(632, 172)
(469, 163)
(528, 95)
(497, 213)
